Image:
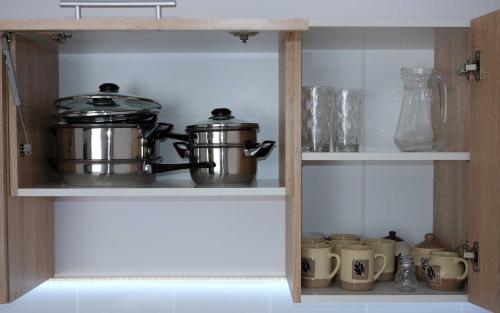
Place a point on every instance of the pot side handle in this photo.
(261, 150)
(183, 137)
(181, 148)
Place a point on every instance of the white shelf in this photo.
(383, 292)
(385, 156)
(263, 188)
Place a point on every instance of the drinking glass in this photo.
(317, 103)
(346, 119)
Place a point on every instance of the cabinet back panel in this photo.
(369, 198)
(164, 237)
(140, 237)
(189, 86)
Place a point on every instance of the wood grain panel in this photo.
(170, 23)
(290, 152)
(483, 226)
(4, 188)
(28, 226)
(451, 190)
(37, 73)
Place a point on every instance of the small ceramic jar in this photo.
(421, 254)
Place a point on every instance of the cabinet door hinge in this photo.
(473, 66)
(471, 253)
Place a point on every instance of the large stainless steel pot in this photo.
(229, 143)
(99, 144)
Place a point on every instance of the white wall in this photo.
(320, 12)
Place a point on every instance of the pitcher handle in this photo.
(379, 255)
(337, 266)
(464, 275)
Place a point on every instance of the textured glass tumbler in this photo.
(347, 119)
(317, 103)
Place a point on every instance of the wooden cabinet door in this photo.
(26, 224)
(484, 216)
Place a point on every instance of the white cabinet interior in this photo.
(381, 189)
(189, 74)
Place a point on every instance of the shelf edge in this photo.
(379, 156)
(168, 23)
(152, 192)
(382, 298)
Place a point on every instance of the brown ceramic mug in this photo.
(386, 247)
(356, 270)
(317, 269)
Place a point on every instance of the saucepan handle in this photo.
(183, 137)
(259, 150)
(161, 168)
(161, 131)
(182, 149)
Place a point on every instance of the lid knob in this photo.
(221, 114)
(109, 87)
(429, 237)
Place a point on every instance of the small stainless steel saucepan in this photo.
(229, 143)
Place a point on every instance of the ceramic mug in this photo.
(421, 254)
(445, 271)
(317, 269)
(344, 237)
(313, 240)
(337, 245)
(386, 247)
(313, 237)
(356, 270)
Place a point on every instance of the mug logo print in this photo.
(360, 269)
(433, 273)
(423, 266)
(308, 266)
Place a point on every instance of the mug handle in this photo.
(379, 255)
(337, 266)
(464, 275)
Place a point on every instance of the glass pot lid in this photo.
(106, 102)
(222, 119)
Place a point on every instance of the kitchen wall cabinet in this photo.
(27, 229)
(458, 205)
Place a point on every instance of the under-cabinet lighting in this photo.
(200, 279)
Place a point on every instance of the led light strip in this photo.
(201, 278)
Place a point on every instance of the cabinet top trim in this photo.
(131, 24)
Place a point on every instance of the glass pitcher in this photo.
(420, 128)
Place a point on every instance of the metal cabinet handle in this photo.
(78, 5)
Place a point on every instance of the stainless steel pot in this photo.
(112, 155)
(228, 143)
(107, 139)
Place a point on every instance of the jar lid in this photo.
(429, 242)
(222, 119)
(106, 105)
